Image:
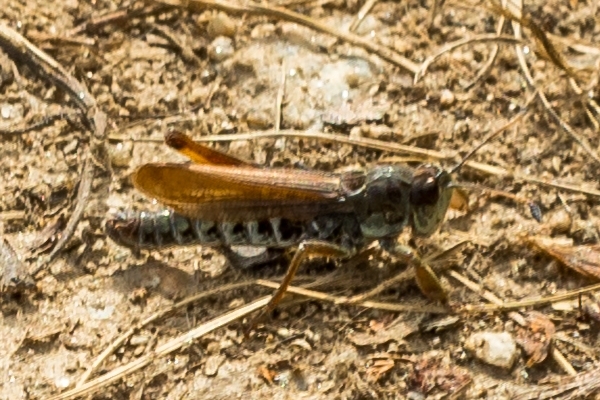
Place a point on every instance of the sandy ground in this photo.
(152, 67)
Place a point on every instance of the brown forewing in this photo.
(218, 192)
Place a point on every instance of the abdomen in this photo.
(156, 230)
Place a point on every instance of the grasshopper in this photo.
(221, 201)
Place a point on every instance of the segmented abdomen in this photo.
(157, 230)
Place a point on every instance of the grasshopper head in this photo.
(429, 198)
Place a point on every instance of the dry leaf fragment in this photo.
(378, 367)
(459, 200)
(430, 374)
(14, 276)
(537, 338)
(267, 374)
(395, 332)
(582, 259)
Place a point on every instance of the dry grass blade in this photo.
(539, 301)
(124, 14)
(281, 13)
(375, 144)
(153, 318)
(24, 51)
(463, 42)
(577, 386)
(362, 13)
(367, 304)
(582, 259)
(492, 57)
(85, 187)
(547, 49)
(517, 7)
(116, 374)
(515, 316)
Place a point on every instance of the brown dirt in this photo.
(175, 68)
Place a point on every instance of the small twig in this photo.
(56, 41)
(362, 13)
(547, 49)
(12, 215)
(472, 308)
(85, 187)
(515, 316)
(279, 98)
(489, 296)
(562, 361)
(385, 53)
(213, 89)
(590, 351)
(531, 82)
(115, 17)
(433, 12)
(403, 276)
(21, 49)
(367, 304)
(484, 71)
(186, 52)
(46, 121)
(490, 37)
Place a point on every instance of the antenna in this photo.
(534, 208)
(489, 137)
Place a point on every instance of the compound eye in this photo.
(424, 190)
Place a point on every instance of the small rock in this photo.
(559, 222)
(259, 119)
(263, 31)
(283, 332)
(415, 396)
(198, 94)
(381, 132)
(5, 111)
(356, 132)
(213, 362)
(498, 349)
(208, 75)
(447, 98)
(221, 25)
(221, 49)
(6, 70)
(63, 382)
(302, 344)
(120, 155)
(557, 163)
